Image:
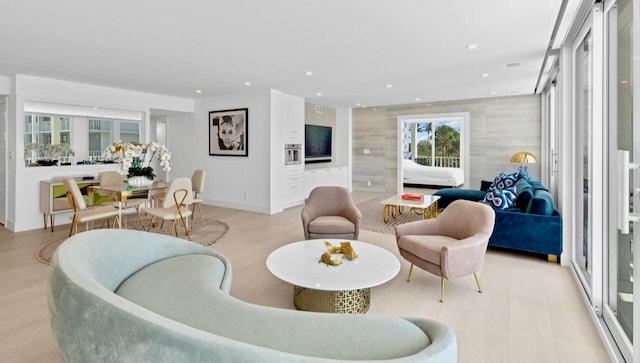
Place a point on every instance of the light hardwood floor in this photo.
(530, 311)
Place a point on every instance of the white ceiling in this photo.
(354, 48)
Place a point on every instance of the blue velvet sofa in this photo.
(133, 296)
(532, 224)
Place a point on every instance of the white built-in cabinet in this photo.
(292, 119)
(292, 185)
(292, 133)
(328, 176)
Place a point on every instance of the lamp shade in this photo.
(523, 157)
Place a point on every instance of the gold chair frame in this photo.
(178, 214)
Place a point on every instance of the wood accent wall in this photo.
(499, 127)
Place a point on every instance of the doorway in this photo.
(434, 140)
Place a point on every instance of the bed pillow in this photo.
(501, 198)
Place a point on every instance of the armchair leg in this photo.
(442, 291)
(410, 271)
(477, 282)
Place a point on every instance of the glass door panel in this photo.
(583, 89)
(619, 301)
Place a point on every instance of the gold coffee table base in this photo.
(394, 211)
(391, 211)
(344, 302)
(426, 213)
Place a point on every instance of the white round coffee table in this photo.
(338, 289)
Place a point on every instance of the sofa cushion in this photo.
(185, 289)
(524, 192)
(331, 225)
(501, 198)
(542, 203)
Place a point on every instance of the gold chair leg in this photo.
(442, 291)
(201, 215)
(150, 224)
(71, 229)
(410, 271)
(139, 216)
(477, 282)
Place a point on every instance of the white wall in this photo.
(23, 209)
(5, 85)
(231, 181)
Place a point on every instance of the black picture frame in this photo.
(229, 132)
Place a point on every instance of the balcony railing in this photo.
(440, 161)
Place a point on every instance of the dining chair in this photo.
(174, 206)
(197, 181)
(113, 178)
(81, 213)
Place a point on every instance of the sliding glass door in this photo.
(583, 111)
(618, 308)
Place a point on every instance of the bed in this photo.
(413, 173)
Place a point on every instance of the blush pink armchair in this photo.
(329, 212)
(451, 245)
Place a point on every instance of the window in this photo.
(104, 132)
(47, 130)
(51, 129)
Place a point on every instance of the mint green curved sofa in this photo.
(131, 296)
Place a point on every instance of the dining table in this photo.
(121, 193)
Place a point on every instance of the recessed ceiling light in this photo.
(247, 83)
(417, 99)
(624, 82)
(357, 104)
(319, 94)
(198, 91)
(485, 75)
(513, 65)
(472, 46)
(389, 85)
(308, 73)
(493, 93)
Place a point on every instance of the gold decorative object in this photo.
(523, 157)
(344, 248)
(326, 258)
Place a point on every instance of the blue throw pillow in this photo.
(501, 198)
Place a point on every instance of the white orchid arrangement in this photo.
(49, 151)
(135, 158)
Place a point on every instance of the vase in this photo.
(139, 181)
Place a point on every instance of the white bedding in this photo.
(413, 173)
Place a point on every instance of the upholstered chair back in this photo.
(110, 178)
(197, 181)
(70, 185)
(178, 184)
(328, 201)
(463, 220)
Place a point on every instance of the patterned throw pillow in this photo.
(504, 181)
(501, 198)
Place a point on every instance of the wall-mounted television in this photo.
(317, 144)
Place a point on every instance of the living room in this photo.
(247, 192)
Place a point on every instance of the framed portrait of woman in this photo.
(228, 132)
